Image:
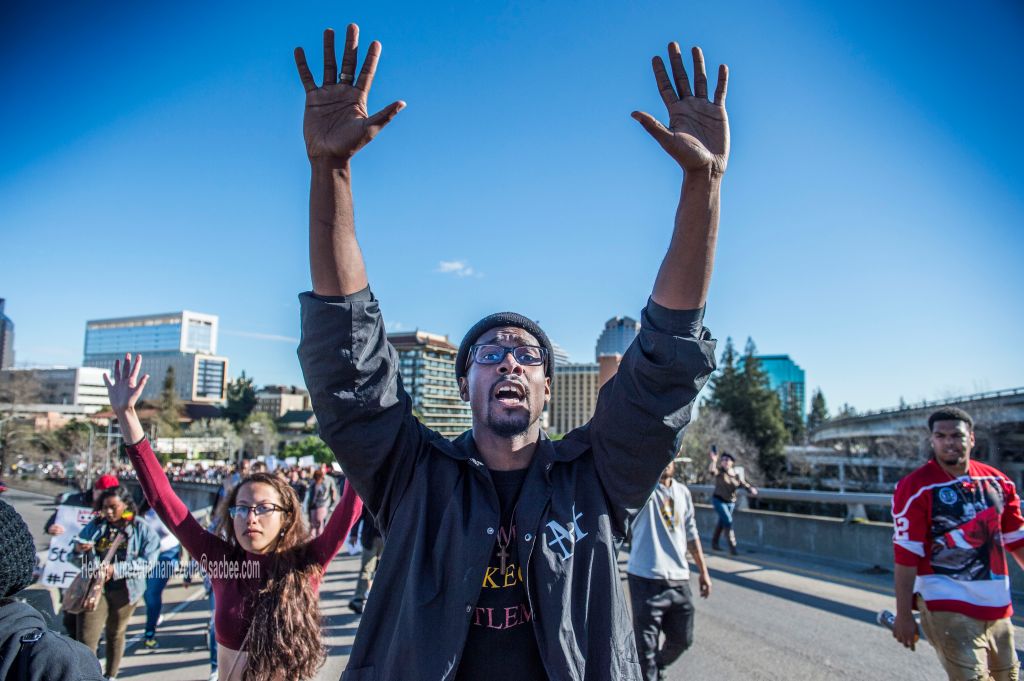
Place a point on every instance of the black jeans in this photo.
(660, 608)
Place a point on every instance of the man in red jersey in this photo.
(952, 518)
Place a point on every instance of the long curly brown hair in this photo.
(285, 640)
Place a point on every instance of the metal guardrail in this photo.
(855, 502)
(845, 498)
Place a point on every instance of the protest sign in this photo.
(60, 571)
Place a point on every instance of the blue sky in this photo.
(872, 210)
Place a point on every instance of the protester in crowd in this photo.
(296, 482)
(953, 520)
(727, 482)
(28, 650)
(264, 570)
(320, 498)
(468, 522)
(372, 546)
(125, 577)
(659, 575)
(52, 527)
(80, 500)
(156, 582)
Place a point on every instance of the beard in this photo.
(509, 424)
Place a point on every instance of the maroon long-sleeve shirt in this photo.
(235, 574)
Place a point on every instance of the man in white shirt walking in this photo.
(659, 575)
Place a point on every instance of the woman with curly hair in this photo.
(264, 568)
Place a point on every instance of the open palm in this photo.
(698, 132)
(336, 123)
(126, 388)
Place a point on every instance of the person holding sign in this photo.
(264, 569)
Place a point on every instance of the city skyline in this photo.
(870, 225)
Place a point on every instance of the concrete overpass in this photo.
(999, 429)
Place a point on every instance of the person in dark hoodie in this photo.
(28, 650)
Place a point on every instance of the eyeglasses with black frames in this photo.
(527, 355)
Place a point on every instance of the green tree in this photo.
(168, 423)
(259, 433)
(846, 410)
(741, 391)
(16, 388)
(310, 446)
(713, 428)
(793, 419)
(218, 428)
(819, 410)
(241, 399)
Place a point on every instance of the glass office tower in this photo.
(186, 341)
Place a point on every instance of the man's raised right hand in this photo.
(336, 124)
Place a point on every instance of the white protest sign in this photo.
(305, 461)
(59, 570)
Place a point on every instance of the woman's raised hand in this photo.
(125, 389)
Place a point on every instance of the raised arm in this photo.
(698, 139)
(351, 370)
(344, 517)
(124, 391)
(335, 127)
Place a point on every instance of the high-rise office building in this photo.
(426, 362)
(786, 378)
(186, 341)
(573, 396)
(6, 339)
(618, 333)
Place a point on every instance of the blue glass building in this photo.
(186, 341)
(786, 378)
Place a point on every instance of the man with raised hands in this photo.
(499, 560)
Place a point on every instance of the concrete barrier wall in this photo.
(823, 540)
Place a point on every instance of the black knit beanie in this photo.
(494, 321)
(17, 552)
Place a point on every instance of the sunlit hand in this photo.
(705, 584)
(336, 124)
(124, 391)
(56, 530)
(698, 133)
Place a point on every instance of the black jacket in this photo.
(437, 507)
(44, 655)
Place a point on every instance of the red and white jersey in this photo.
(953, 531)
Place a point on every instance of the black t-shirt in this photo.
(501, 645)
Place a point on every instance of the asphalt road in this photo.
(767, 618)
